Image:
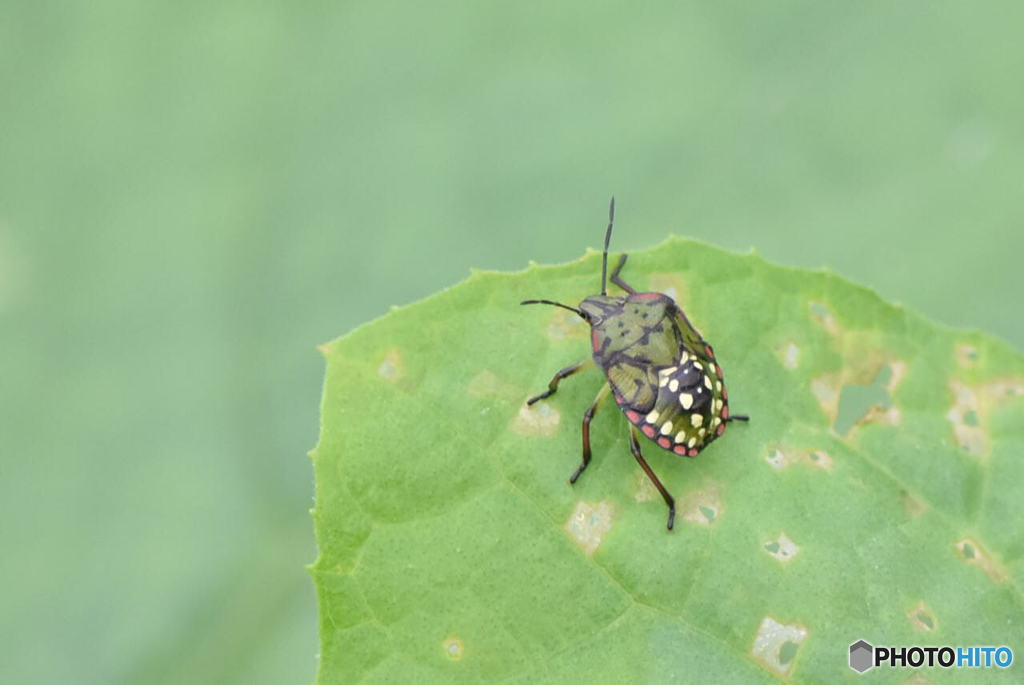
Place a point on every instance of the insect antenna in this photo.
(556, 304)
(604, 255)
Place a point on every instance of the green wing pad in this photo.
(636, 384)
(684, 418)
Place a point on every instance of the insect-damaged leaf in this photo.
(875, 494)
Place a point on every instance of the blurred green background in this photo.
(193, 195)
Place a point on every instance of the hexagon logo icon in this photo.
(861, 656)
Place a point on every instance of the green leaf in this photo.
(875, 493)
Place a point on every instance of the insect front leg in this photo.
(634, 446)
(587, 416)
(564, 373)
(615, 275)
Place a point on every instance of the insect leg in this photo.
(634, 446)
(738, 417)
(615, 275)
(603, 393)
(553, 385)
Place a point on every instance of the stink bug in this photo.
(663, 374)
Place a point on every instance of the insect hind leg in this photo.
(634, 447)
(738, 417)
(617, 280)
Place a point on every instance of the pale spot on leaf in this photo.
(826, 389)
(564, 324)
(672, 285)
(782, 456)
(970, 409)
(972, 553)
(1004, 390)
(390, 368)
(539, 419)
(776, 459)
(891, 416)
(969, 435)
(643, 488)
(898, 369)
(487, 384)
(821, 315)
(782, 548)
(588, 524)
(701, 506)
(453, 648)
(922, 617)
(789, 355)
(819, 459)
(966, 355)
(913, 505)
(776, 644)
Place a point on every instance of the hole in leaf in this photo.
(966, 420)
(776, 459)
(820, 459)
(776, 644)
(701, 506)
(972, 553)
(855, 401)
(921, 617)
(782, 548)
(972, 405)
(966, 354)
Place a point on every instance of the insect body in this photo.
(662, 373)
